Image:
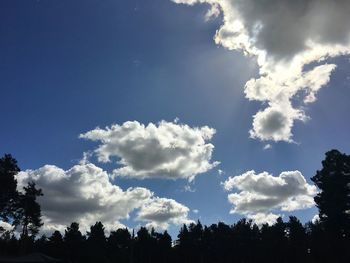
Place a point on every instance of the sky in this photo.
(163, 112)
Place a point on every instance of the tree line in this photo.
(324, 240)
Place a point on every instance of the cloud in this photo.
(221, 172)
(164, 150)
(267, 147)
(85, 194)
(291, 41)
(161, 211)
(188, 188)
(259, 194)
(263, 218)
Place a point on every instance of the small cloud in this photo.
(196, 211)
(267, 147)
(220, 172)
(188, 188)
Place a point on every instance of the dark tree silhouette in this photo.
(143, 245)
(8, 186)
(297, 240)
(74, 242)
(55, 245)
(119, 245)
(28, 213)
(96, 244)
(333, 201)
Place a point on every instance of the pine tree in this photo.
(28, 214)
(333, 200)
(8, 186)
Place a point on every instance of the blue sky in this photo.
(68, 67)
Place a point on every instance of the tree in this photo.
(8, 185)
(55, 245)
(97, 234)
(74, 242)
(119, 245)
(143, 245)
(296, 233)
(333, 201)
(28, 214)
(274, 241)
(96, 242)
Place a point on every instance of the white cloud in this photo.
(188, 188)
(262, 218)
(85, 194)
(260, 194)
(196, 211)
(161, 211)
(291, 41)
(267, 147)
(221, 172)
(166, 150)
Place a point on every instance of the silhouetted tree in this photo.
(318, 243)
(55, 246)
(74, 242)
(245, 235)
(274, 241)
(297, 240)
(119, 245)
(143, 246)
(8, 186)
(28, 213)
(164, 243)
(96, 243)
(333, 201)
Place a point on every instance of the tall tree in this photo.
(28, 214)
(55, 245)
(296, 234)
(96, 242)
(74, 242)
(8, 185)
(333, 201)
(119, 245)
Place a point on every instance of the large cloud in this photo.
(291, 41)
(85, 194)
(260, 194)
(167, 150)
